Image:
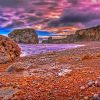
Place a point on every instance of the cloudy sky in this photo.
(48, 13)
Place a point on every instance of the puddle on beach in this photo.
(29, 49)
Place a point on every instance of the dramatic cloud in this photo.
(79, 11)
(53, 13)
(10, 3)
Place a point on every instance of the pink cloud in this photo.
(44, 12)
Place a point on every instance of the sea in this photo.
(33, 49)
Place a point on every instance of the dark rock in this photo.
(97, 83)
(26, 35)
(9, 50)
(18, 67)
(54, 41)
(96, 97)
(1, 85)
(50, 40)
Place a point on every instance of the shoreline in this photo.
(34, 49)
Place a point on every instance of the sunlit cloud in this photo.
(49, 13)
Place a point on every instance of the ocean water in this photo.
(30, 49)
(42, 35)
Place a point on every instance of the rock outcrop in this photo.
(9, 50)
(26, 35)
(50, 40)
(90, 34)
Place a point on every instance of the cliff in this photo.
(89, 34)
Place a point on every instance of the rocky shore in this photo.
(89, 34)
(68, 75)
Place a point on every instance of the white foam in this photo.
(29, 49)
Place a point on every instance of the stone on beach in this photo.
(63, 72)
(9, 50)
(18, 67)
(6, 93)
(91, 83)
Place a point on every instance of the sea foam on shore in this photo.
(29, 49)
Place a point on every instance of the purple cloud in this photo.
(24, 13)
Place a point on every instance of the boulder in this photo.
(26, 35)
(18, 67)
(9, 50)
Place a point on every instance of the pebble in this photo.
(8, 92)
(97, 83)
(15, 98)
(98, 77)
(77, 59)
(82, 87)
(71, 98)
(95, 96)
(1, 84)
(86, 98)
(30, 97)
(91, 83)
(0, 74)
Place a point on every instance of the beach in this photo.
(71, 74)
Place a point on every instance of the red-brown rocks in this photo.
(8, 49)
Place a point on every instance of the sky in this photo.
(41, 14)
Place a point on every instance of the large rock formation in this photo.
(26, 35)
(9, 50)
(90, 34)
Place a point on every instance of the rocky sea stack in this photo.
(26, 35)
(9, 50)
